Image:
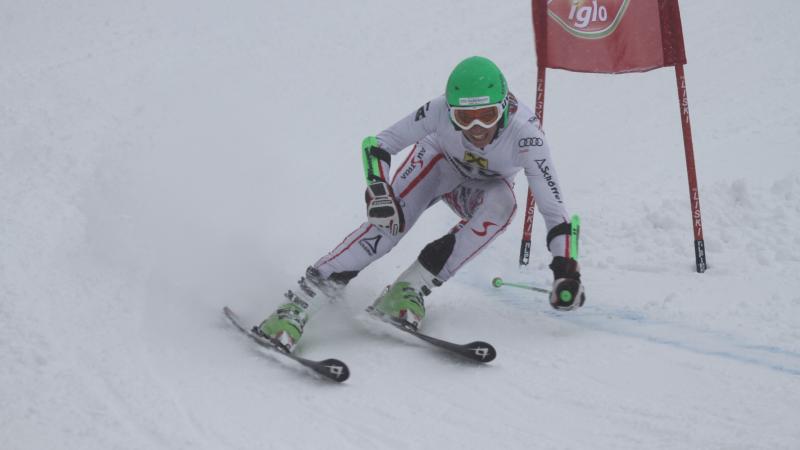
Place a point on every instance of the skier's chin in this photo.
(479, 136)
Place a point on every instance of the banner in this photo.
(608, 36)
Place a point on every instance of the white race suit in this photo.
(476, 183)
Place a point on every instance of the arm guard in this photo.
(570, 229)
(376, 160)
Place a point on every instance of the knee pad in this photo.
(342, 278)
(435, 255)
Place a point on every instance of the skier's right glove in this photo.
(567, 293)
(383, 209)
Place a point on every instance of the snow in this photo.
(159, 160)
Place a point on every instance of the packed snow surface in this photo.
(162, 159)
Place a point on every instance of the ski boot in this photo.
(402, 302)
(285, 326)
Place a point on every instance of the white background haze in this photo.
(161, 159)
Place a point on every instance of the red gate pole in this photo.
(527, 225)
(694, 196)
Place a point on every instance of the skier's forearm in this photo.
(547, 193)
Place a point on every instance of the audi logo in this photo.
(531, 142)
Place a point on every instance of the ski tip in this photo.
(229, 312)
(481, 351)
(335, 370)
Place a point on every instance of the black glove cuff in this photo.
(378, 189)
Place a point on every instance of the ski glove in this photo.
(567, 293)
(383, 210)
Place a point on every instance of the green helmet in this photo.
(477, 81)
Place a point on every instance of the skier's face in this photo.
(480, 136)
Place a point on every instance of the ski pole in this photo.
(498, 282)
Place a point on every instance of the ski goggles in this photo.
(467, 117)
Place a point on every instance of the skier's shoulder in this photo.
(523, 121)
(431, 109)
(526, 135)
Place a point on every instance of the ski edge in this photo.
(476, 351)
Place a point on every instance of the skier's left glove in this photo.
(567, 293)
(383, 210)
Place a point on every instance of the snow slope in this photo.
(161, 159)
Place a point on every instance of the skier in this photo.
(469, 144)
